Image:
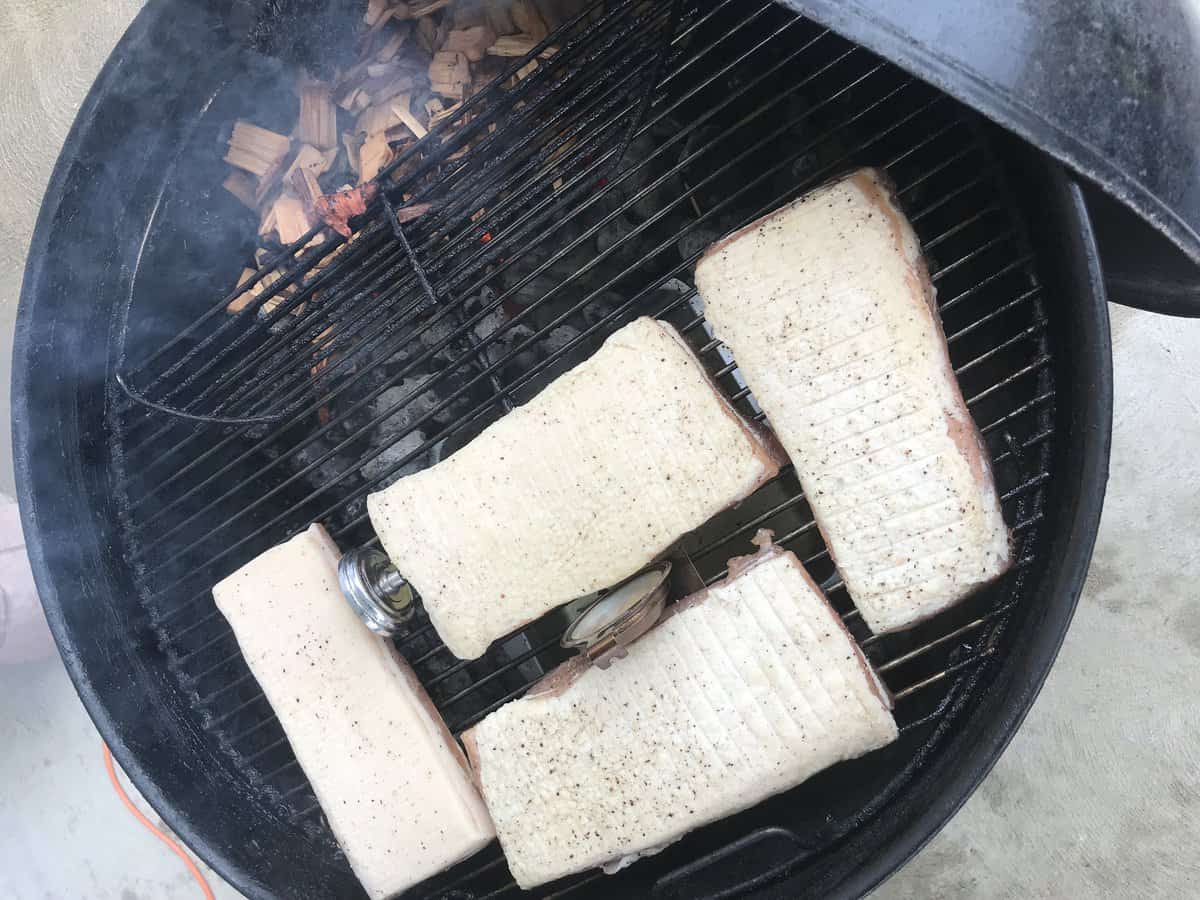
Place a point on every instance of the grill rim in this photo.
(77, 582)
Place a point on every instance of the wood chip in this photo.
(527, 19)
(375, 9)
(244, 299)
(307, 189)
(268, 186)
(256, 149)
(449, 74)
(418, 10)
(375, 121)
(373, 156)
(473, 42)
(401, 106)
(317, 124)
(291, 218)
(526, 70)
(392, 44)
(428, 35)
(308, 158)
(347, 99)
(499, 18)
(469, 13)
(444, 114)
(513, 45)
(267, 225)
(242, 185)
(380, 70)
(394, 86)
(353, 142)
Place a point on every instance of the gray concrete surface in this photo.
(1098, 796)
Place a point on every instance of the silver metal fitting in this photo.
(604, 630)
(376, 591)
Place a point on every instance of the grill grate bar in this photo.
(751, 526)
(979, 180)
(507, 667)
(1025, 334)
(941, 640)
(963, 225)
(262, 723)
(904, 693)
(1005, 419)
(269, 748)
(1015, 265)
(516, 661)
(963, 260)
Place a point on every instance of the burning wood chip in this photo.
(338, 208)
(257, 150)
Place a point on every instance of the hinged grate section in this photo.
(563, 207)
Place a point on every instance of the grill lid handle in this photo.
(1108, 87)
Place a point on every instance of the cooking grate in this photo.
(563, 208)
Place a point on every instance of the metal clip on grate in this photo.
(649, 134)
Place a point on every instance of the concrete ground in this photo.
(1098, 796)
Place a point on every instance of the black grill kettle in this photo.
(1089, 108)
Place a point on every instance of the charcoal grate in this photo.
(574, 215)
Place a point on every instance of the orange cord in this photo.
(137, 814)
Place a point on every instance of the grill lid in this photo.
(1110, 88)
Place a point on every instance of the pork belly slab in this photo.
(829, 311)
(743, 691)
(390, 778)
(573, 492)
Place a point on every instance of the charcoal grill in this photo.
(163, 443)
